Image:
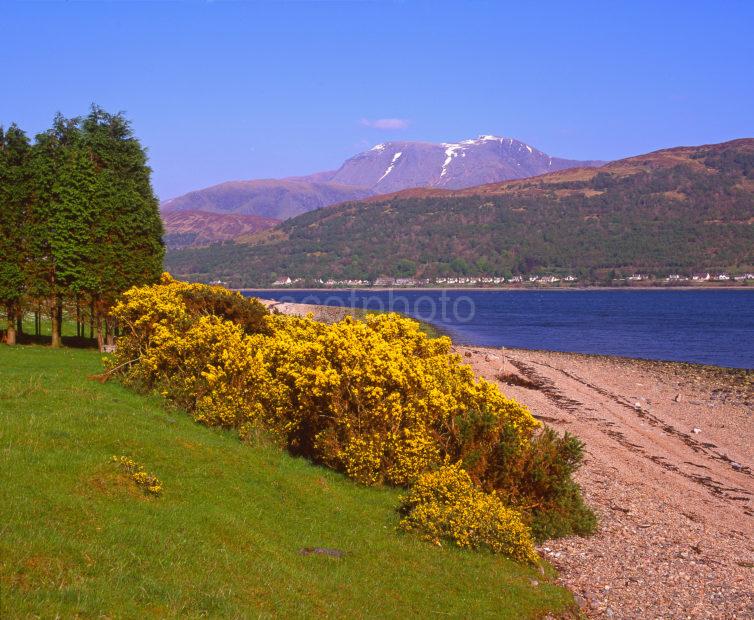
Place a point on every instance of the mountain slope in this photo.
(686, 209)
(199, 228)
(394, 166)
(385, 168)
(272, 198)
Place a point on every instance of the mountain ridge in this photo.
(389, 166)
(455, 165)
(674, 210)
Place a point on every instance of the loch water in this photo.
(702, 326)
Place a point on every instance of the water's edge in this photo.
(708, 327)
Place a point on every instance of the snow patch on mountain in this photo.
(451, 150)
(456, 149)
(391, 166)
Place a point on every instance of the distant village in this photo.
(486, 281)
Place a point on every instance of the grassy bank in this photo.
(77, 537)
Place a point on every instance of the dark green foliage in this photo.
(688, 213)
(78, 218)
(249, 313)
(65, 185)
(539, 480)
(16, 194)
(535, 477)
(126, 234)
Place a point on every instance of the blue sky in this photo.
(220, 91)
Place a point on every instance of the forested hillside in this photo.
(199, 228)
(679, 210)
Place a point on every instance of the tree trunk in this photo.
(110, 334)
(56, 316)
(100, 341)
(36, 323)
(10, 334)
(19, 323)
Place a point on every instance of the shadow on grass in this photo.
(75, 342)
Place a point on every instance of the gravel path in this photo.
(668, 468)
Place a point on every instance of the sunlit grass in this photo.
(78, 537)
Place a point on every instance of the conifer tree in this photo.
(126, 236)
(64, 182)
(16, 191)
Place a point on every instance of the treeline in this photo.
(79, 223)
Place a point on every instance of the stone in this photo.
(333, 553)
(580, 601)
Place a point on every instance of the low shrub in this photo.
(150, 314)
(218, 301)
(146, 481)
(378, 399)
(537, 478)
(446, 505)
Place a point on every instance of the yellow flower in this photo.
(148, 482)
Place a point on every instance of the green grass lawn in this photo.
(78, 538)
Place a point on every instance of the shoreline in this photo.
(609, 357)
(667, 468)
(335, 313)
(615, 358)
(659, 287)
(741, 377)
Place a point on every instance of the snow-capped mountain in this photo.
(385, 168)
(394, 166)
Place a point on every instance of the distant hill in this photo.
(272, 198)
(199, 228)
(385, 168)
(677, 210)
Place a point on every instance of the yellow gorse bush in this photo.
(376, 399)
(148, 482)
(446, 505)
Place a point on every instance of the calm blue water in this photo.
(704, 326)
